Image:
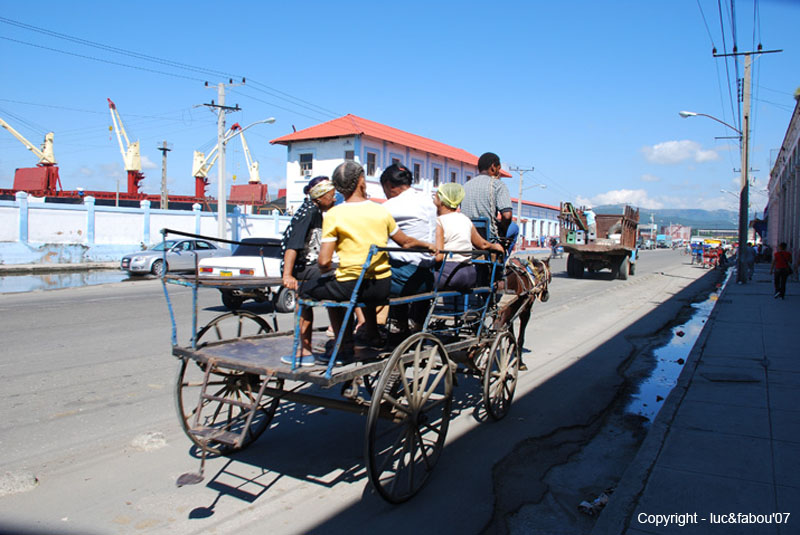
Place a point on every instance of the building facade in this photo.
(538, 222)
(783, 210)
(317, 150)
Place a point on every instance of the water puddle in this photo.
(54, 281)
(670, 359)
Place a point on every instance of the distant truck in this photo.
(612, 247)
(663, 241)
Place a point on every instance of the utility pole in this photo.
(521, 172)
(222, 201)
(741, 271)
(164, 197)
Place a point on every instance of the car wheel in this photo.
(157, 268)
(231, 302)
(286, 300)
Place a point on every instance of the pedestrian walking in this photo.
(749, 257)
(781, 268)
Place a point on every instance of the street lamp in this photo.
(686, 114)
(222, 205)
(744, 202)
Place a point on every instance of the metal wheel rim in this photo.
(500, 376)
(224, 383)
(158, 268)
(401, 453)
(230, 385)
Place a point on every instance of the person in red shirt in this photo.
(781, 262)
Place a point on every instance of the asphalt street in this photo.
(92, 443)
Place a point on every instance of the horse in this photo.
(523, 282)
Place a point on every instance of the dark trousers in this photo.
(780, 281)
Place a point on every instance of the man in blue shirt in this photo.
(511, 235)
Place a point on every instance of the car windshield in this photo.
(160, 247)
(269, 250)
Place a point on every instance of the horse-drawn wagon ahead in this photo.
(231, 377)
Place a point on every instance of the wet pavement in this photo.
(670, 359)
(28, 282)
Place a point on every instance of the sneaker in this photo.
(345, 355)
(307, 360)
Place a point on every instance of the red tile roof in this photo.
(350, 125)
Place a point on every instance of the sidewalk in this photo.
(723, 455)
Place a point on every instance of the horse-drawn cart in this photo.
(231, 378)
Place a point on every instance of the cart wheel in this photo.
(227, 384)
(231, 326)
(408, 417)
(500, 375)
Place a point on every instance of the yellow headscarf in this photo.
(451, 194)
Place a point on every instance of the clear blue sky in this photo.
(586, 92)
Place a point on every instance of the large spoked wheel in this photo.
(232, 326)
(216, 415)
(408, 417)
(500, 375)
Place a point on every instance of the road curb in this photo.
(615, 517)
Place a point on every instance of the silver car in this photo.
(181, 255)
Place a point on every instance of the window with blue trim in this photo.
(371, 157)
(416, 173)
(436, 171)
(306, 163)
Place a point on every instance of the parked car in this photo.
(254, 258)
(181, 256)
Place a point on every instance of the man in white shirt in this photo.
(415, 214)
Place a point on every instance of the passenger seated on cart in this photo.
(455, 232)
(412, 272)
(349, 229)
(300, 245)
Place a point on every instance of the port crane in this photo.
(252, 165)
(202, 164)
(40, 180)
(131, 156)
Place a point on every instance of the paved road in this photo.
(87, 409)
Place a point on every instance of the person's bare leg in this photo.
(306, 328)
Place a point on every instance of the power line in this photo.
(118, 63)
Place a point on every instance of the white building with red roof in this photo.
(317, 150)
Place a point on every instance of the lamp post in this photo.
(741, 275)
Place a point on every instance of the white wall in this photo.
(115, 226)
(62, 224)
(9, 223)
(82, 232)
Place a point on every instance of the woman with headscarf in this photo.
(300, 246)
(455, 232)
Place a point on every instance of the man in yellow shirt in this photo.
(349, 229)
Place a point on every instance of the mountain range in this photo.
(695, 218)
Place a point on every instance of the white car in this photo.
(181, 255)
(255, 258)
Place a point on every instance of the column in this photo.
(235, 216)
(89, 203)
(146, 221)
(197, 209)
(22, 211)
